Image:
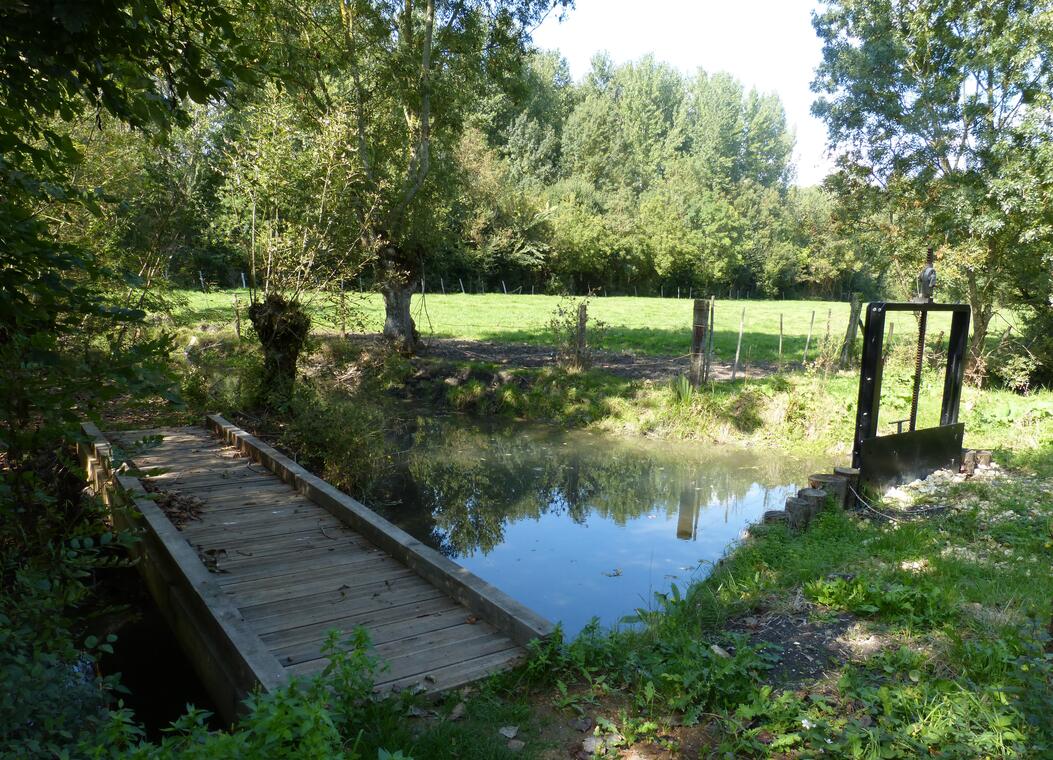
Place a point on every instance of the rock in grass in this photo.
(457, 712)
(592, 744)
(515, 745)
(583, 724)
(719, 651)
(509, 732)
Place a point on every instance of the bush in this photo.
(573, 350)
(336, 436)
(318, 718)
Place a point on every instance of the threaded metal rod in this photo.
(919, 358)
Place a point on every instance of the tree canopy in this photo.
(939, 109)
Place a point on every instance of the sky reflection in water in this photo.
(577, 525)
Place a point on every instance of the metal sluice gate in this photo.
(887, 460)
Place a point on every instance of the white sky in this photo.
(767, 44)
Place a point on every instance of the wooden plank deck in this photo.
(281, 557)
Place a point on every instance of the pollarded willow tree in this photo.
(287, 202)
(934, 105)
(409, 74)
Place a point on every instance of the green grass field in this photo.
(640, 325)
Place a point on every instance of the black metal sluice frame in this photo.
(871, 370)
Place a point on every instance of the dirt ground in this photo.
(620, 363)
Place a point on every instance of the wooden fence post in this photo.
(699, 328)
(808, 340)
(343, 311)
(848, 346)
(738, 347)
(462, 285)
(709, 339)
(780, 340)
(442, 286)
(579, 347)
(237, 316)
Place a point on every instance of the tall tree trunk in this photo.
(282, 327)
(399, 328)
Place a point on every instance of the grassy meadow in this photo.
(658, 326)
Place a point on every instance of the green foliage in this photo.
(318, 718)
(943, 111)
(574, 332)
(130, 58)
(339, 437)
(916, 603)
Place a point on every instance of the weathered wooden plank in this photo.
(508, 615)
(301, 574)
(453, 676)
(237, 557)
(391, 635)
(347, 608)
(220, 470)
(255, 515)
(371, 619)
(260, 497)
(280, 544)
(452, 652)
(132, 438)
(217, 535)
(245, 527)
(239, 477)
(232, 493)
(230, 545)
(430, 652)
(279, 507)
(336, 582)
(329, 605)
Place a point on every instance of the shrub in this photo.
(573, 350)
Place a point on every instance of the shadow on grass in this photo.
(756, 346)
(1038, 460)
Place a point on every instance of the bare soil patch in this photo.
(809, 647)
(620, 363)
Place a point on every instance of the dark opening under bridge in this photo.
(273, 558)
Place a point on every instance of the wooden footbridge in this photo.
(261, 559)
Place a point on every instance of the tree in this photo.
(61, 320)
(409, 74)
(288, 203)
(929, 101)
(131, 60)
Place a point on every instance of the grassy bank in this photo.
(804, 413)
(861, 638)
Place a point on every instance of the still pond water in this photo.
(578, 525)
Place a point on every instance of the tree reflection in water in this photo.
(498, 497)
